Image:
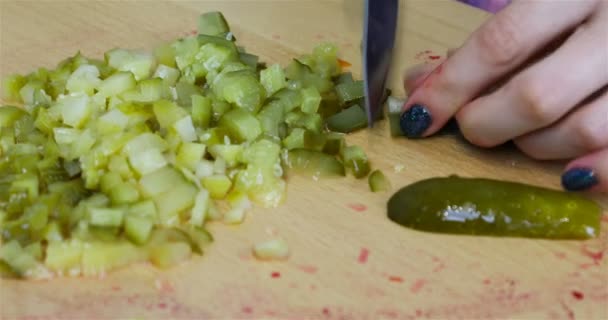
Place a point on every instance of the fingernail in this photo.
(415, 121)
(578, 179)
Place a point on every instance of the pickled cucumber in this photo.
(476, 206)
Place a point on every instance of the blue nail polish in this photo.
(578, 179)
(415, 121)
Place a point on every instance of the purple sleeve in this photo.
(488, 5)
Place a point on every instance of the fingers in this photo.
(583, 131)
(543, 93)
(589, 173)
(416, 75)
(499, 46)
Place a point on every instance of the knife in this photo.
(380, 27)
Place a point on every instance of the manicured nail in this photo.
(415, 121)
(578, 179)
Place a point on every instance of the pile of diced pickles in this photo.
(122, 160)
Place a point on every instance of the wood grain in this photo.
(349, 261)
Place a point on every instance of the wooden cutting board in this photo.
(349, 261)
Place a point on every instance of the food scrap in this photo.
(275, 249)
(363, 255)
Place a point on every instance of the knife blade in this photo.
(380, 27)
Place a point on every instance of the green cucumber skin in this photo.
(500, 209)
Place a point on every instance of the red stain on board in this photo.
(164, 286)
(313, 287)
(568, 311)
(326, 312)
(374, 292)
(245, 256)
(439, 267)
(487, 281)
(308, 269)
(560, 255)
(275, 274)
(392, 314)
(605, 217)
(162, 305)
(595, 256)
(247, 310)
(132, 299)
(577, 295)
(418, 313)
(276, 37)
(395, 279)
(193, 32)
(116, 288)
(363, 255)
(359, 207)
(417, 286)
(422, 54)
(427, 56)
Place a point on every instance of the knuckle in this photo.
(500, 40)
(536, 104)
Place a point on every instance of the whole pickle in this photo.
(476, 206)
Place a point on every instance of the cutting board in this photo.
(348, 260)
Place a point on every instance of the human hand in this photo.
(537, 74)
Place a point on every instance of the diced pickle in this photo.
(314, 163)
(138, 228)
(350, 91)
(111, 161)
(348, 120)
(170, 253)
(356, 161)
(101, 257)
(378, 181)
(212, 23)
(241, 125)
